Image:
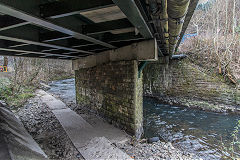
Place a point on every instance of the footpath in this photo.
(94, 141)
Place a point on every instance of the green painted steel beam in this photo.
(33, 52)
(7, 44)
(29, 47)
(52, 36)
(27, 6)
(135, 16)
(27, 32)
(10, 53)
(47, 24)
(18, 45)
(106, 26)
(117, 40)
(130, 9)
(141, 66)
(72, 22)
(93, 29)
(65, 8)
(130, 36)
(88, 29)
(14, 26)
(41, 44)
(6, 21)
(106, 37)
(30, 33)
(98, 48)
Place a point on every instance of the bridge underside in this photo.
(109, 42)
(70, 29)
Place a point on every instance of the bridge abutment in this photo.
(113, 90)
(110, 83)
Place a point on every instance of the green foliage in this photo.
(234, 147)
(19, 99)
(14, 99)
(238, 29)
(26, 74)
(4, 89)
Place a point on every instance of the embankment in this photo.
(184, 83)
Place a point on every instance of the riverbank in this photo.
(181, 82)
(182, 146)
(136, 149)
(196, 103)
(154, 151)
(46, 130)
(205, 134)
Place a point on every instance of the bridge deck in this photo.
(69, 29)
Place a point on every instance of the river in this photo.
(191, 130)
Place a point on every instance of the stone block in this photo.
(121, 95)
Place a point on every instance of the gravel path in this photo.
(41, 123)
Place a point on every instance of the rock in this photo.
(44, 86)
(153, 139)
(79, 155)
(2, 103)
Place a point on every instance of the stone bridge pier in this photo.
(110, 84)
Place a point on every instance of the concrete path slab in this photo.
(50, 101)
(79, 131)
(102, 148)
(93, 141)
(102, 128)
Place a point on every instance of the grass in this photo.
(17, 99)
(16, 96)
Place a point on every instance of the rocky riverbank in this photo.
(141, 149)
(153, 151)
(197, 103)
(186, 84)
(49, 134)
(46, 130)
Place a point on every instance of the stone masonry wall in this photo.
(182, 82)
(114, 91)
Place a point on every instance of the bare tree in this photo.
(217, 44)
(5, 61)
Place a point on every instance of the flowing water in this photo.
(191, 130)
(65, 89)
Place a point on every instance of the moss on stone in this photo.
(183, 79)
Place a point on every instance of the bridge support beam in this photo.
(112, 87)
(142, 51)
